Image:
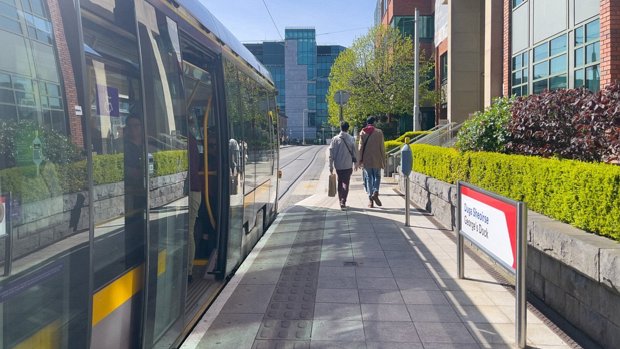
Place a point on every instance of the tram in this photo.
(138, 169)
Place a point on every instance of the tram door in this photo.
(204, 183)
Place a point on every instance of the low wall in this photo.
(42, 223)
(575, 273)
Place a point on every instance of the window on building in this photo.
(588, 56)
(520, 74)
(406, 26)
(550, 65)
(443, 68)
(516, 3)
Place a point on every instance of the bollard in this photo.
(406, 161)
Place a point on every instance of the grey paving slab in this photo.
(279, 344)
(263, 274)
(483, 313)
(232, 331)
(424, 297)
(371, 283)
(432, 313)
(448, 332)
(332, 295)
(417, 284)
(285, 329)
(249, 299)
(372, 272)
(290, 311)
(381, 296)
(388, 331)
(372, 262)
(344, 331)
(340, 271)
(393, 345)
(385, 312)
(314, 344)
(413, 271)
(336, 282)
(337, 312)
(362, 253)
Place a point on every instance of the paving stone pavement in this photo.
(323, 277)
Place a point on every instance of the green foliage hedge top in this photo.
(586, 195)
(412, 135)
(53, 180)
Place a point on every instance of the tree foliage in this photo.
(378, 72)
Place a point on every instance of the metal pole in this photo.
(341, 119)
(303, 127)
(460, 258)
(407, 205)
(416, 67)
(521, 308)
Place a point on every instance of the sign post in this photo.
(406, 162)
(341, 97)
(498, 226)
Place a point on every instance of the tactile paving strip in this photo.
(288, 320)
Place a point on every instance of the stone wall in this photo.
(42, 223)
(575, 273)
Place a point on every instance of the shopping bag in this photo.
(331, 191)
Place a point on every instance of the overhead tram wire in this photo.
(273, 21)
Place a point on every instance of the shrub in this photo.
(390, 145)
(412, 135)
(170, 162)
(583, 194)
(569, 124)
(487, 130)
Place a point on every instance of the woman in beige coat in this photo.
(372, 155)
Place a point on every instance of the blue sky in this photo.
(337, 22)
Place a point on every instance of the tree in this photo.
(378, 72)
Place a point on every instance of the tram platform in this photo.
(323, 277)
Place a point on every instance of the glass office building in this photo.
(300, 69)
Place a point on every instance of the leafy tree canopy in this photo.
(378, 72)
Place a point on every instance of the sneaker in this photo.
(342, 205)
(375, 198)
(371, 204)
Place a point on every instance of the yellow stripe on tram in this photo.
(201, 262)
(115, 294)
(46, 338)
(161, 262)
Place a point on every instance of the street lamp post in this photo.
(303, 127)
(416, 66)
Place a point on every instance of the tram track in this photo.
(301, 174)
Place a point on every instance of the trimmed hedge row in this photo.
(54, 180)
(586, 195)
(170, 162)
(411, 135)
(389, 145)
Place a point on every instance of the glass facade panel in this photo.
(580, 36)
(525, 77)
(558, 65)
(541, 52)
(579, 59)
(558, 45)
(539, 86)
(541, 70)
(593, 78)
(593, 53)
(593, 31)
(516, 78)
(579, 78)
(557, 82)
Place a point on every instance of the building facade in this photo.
(300, 69)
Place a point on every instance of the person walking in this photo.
(372, 155)
(342, 156)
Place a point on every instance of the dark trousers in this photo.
(344, 177)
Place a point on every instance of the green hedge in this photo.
(411, 135)
(389, 145)
(586, 195)
(170, 162)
